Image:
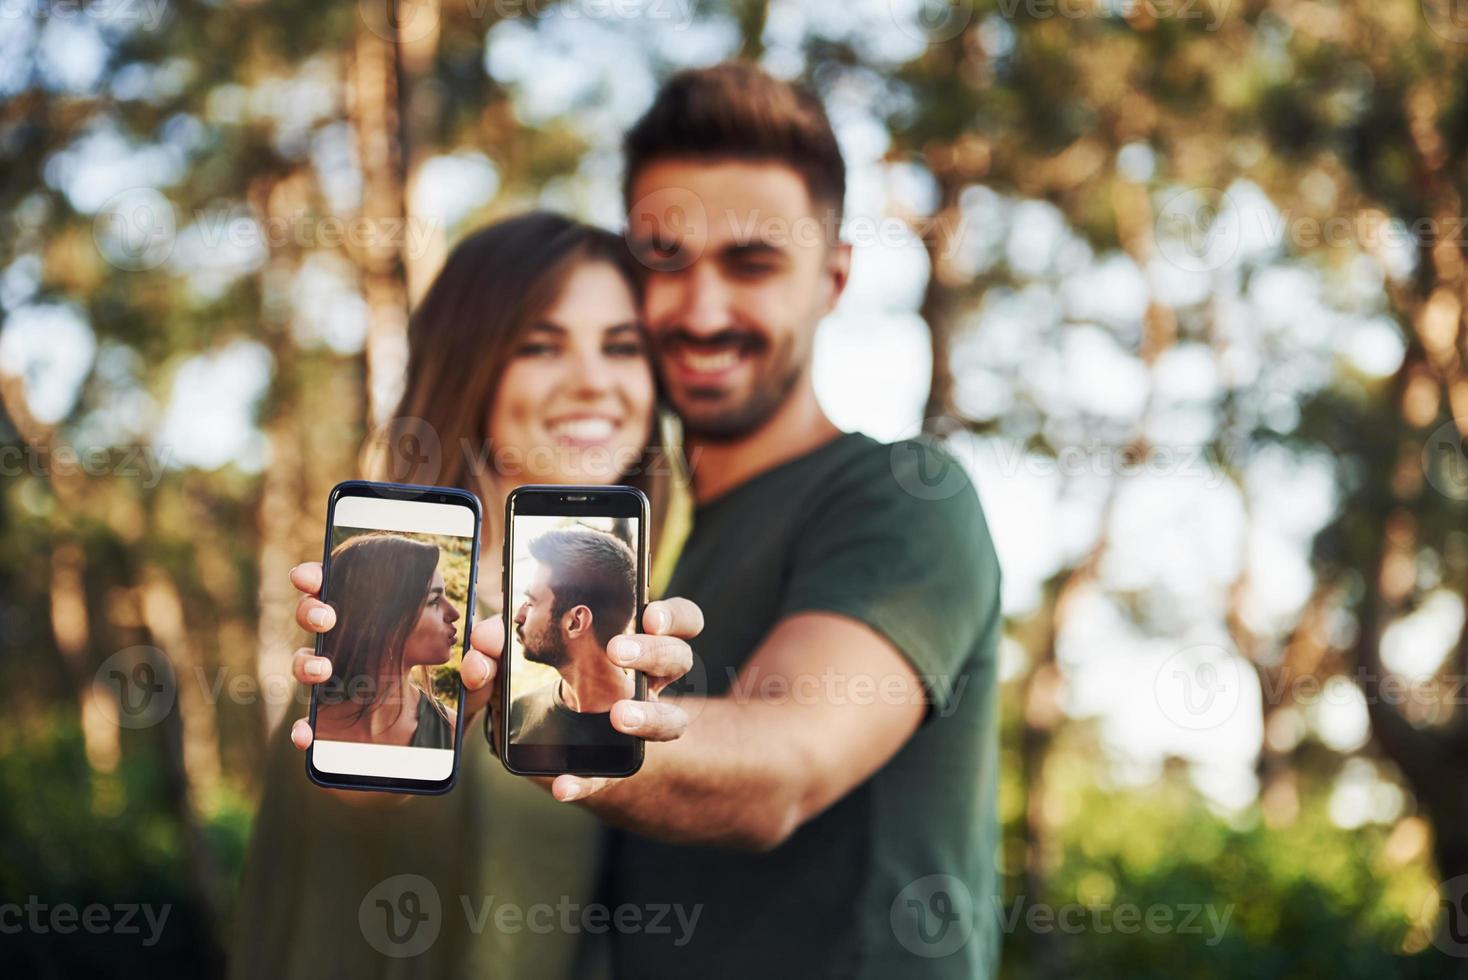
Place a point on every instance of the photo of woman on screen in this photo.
(392, 617)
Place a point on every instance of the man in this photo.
(824, 801)
(831, 807)
(583, 592)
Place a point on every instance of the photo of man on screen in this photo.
(582, 592)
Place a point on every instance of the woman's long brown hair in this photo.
(495, 283)
(377, 583)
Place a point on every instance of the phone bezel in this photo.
(421, 494)
(554, 501)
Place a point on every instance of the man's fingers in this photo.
(674, 616)
(488, 637)
(666, 658)
(308, 668)
(314, 616)
(567, 788)
(477, 671)
(656, 721)
(301, 734)
(306, 577)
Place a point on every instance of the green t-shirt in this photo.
(542, 718)
(898, 878)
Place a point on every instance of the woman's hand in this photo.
(662, 654)
(315, 616)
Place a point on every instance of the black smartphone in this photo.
(576, 565)
(399, 570)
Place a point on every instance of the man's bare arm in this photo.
(823, 704)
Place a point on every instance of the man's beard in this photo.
(769, 393)
(547, 648)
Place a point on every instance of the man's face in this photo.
(741, 273)
(539, 633)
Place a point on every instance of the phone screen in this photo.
(575, 579)
(399, 571)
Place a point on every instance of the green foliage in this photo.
(72, 836)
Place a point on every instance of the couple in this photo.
(825, 803)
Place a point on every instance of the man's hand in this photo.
(662, 654)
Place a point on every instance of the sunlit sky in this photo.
(1064, 339)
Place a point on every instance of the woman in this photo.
(527, 365)
(391, 616)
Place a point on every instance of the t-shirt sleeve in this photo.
(897, 540)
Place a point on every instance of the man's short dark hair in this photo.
(590, 568)
(738, 111)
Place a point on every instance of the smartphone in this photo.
(399, 569)
(575, 575)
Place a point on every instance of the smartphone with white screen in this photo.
(399, 569)
(575, 562)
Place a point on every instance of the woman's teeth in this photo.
(585, 430)
(710, 363)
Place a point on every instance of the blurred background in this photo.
(1181, 281)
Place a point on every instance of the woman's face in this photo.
(575, 404)
(433, 638)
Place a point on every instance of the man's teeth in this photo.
(590, 430)
(710, 363)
